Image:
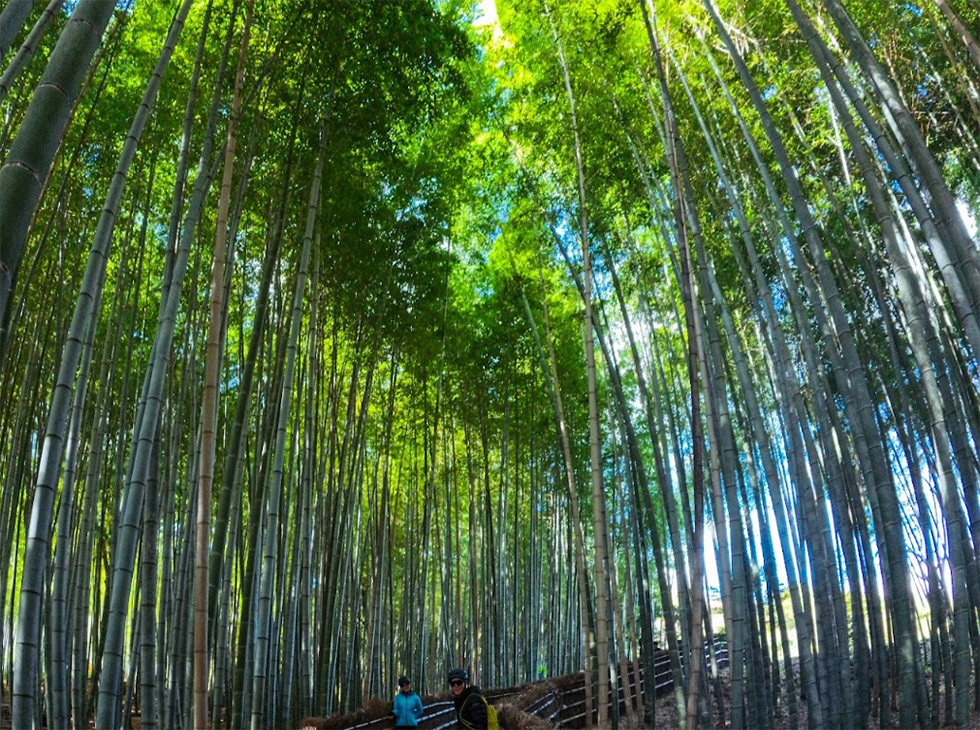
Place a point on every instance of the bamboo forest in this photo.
(347, 339)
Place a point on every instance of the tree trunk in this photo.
(25, 171)
(49, 473)
(29, 46)
(209, 400)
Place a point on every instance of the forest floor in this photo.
(666, 712)
(666, 715)
(510, 711)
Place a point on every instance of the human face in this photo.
(457, 686)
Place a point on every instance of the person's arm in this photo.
(418, 707)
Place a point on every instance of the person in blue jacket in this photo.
(408, 706)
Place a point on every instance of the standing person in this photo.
(471, 707)
(408, 706)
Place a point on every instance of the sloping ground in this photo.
(548, 703)
(558, 703)
(541, 704)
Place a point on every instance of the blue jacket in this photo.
(407, 709)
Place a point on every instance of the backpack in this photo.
(492, 723)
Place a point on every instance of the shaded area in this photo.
(553, 702)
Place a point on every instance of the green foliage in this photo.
(449, 187)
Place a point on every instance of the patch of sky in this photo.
(779, 297)
(500, 205)
(769, 92)
(839, 404)
(486, 15)
(486, 19)
(414, 209)
(969, 218)
(230, 382)
(68, 7)
(787, 250)
(567, 233)
(484, 290)
(159, 232)
(926, 506)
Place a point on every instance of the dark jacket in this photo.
(471, 712)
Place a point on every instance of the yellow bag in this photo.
(492, 723)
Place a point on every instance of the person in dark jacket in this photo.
(407, 707)
(471, 710)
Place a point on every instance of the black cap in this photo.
(403, 680)
(458, 674)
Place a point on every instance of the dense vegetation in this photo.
(341, 339)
